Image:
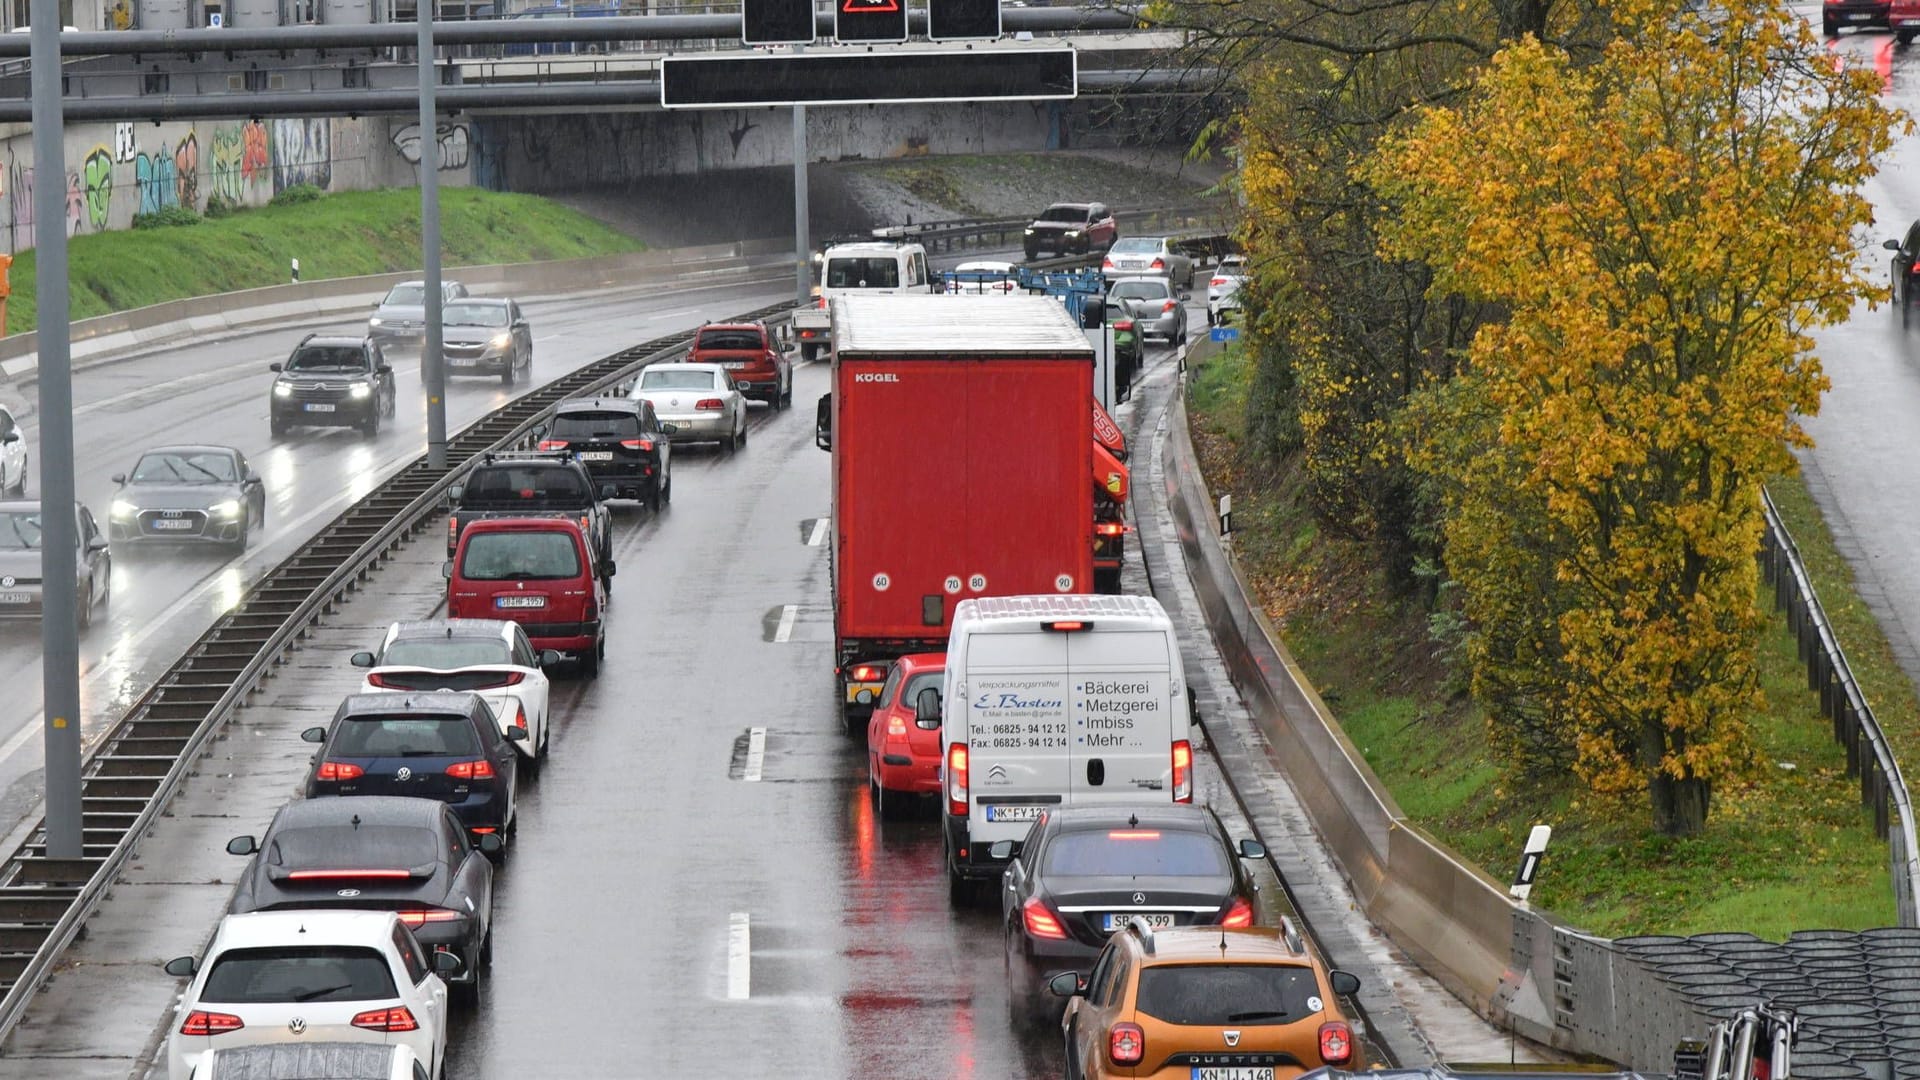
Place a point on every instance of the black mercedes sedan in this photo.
(1084, 872)
(410, 856)
(188, 495)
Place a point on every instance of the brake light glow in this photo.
(398, 1018)
(1218, 281)
(1336, 1042)
(1168, 306)
(896, 726)
(1238, 915)
(335, 875)
(1110, 528)
(201, 1022)
(867, 673)
(637, 444)
(710, 403)
(957, 779)
(1159, 264)
(553, 444)
(1106, 264)
(1182, 771)
(471, 770)
(1123, 324)
(1133, 834)
(1066, 626)
(339, 770)
(421, 918)
(1042, 923)
(1126, 1044)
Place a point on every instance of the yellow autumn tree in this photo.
(1663, 228)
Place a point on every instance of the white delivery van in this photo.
(1056, 701)
(876, 267)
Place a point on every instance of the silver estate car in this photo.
(699, 400)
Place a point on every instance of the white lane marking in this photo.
(785, 629)
(819, 534)
(739, 957)
(756, 755)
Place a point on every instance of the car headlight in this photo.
(361, 390)
(282, 390)
(501, 341)
(121, 508)
(227, 508)
(1030, 230)
(375, 321)
(1073, 232)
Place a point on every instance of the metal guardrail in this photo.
(1854, 727)
(149, 752)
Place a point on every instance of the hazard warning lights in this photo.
(869, 21)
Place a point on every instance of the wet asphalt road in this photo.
(217, 392)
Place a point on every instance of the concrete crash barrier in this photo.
(1518, 967)
(311, 300)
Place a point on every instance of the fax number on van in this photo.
(1015, 742)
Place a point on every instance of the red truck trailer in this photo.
(961, 444)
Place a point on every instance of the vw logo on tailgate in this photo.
(403, 773)
(297, 1025)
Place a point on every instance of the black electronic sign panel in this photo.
(963, 20)
(867, 21)
(776, 22)
(721, 81)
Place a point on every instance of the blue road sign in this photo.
(1226, 333)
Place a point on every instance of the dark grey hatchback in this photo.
(444, 746)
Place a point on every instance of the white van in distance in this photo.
(1056, 701)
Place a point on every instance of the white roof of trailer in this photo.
(1009, 609)
(957, 325)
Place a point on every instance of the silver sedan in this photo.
(699, 400)
(1154, 306)
(1148, 255)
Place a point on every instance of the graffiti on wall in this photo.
(96, 179)
(453, 145)
(125, 142)
(20, 206)
(254, 159)
(186, 170)
(156, 177)
(302, 154)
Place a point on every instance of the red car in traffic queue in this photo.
(1904, 17)
(538, 572)
(1835, 14)
(903, 740)
(751, 356)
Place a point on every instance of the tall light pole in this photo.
(59, 544)
(432, 371)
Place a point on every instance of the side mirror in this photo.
(1344, 983)
(1001, 851)
(608, 491)
(823, 423)
(242, 845)
(446, 965)
(446, 569)
(456, 492)
(98, 543)
(276, 368)
(314, 735)
(550, 657)
(10, 437)
(383, 368)
(517, 733)
(490, 845)
(181, 967)
(608, 571)
(668, 429)
(1891, 245)
(1067, 984)
(1252, 849)
(926, 708)
(362, 659)
(1186, 296)
(118, 478)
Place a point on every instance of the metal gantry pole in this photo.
(432, 371)
(802, 245)
(59, 542)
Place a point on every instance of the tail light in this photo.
(896, 726)
(1218, 281)
(1336, 1042)
(821, 303)
(1166, 307)
(1123, 324)
(710, 403)
(471, 770)
(553, 444)
(1159, 264)
(1182, 771)
(1238, 915)
(453, 532)
(418, 919)
(957, 779)
(867, 673)
(1110, 528)
(637, 444)
(201, 1022)
(337, 875)
(1126, 1044)
(1041, 922)
(1106, 264)
(398, 1018)
(339, 770)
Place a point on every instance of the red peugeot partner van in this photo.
(538, 572)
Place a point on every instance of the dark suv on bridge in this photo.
(332, 381)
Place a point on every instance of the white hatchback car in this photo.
(489, 657)
(1223, 288)
(699, 400)
(280, 977)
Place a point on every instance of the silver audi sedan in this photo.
(699, 400)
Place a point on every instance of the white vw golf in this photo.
(311, 976)
(489, 657)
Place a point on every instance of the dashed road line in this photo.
(739, 953)
(819, 534)
(756, 755)
(784, 631)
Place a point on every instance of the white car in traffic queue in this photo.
(699, 400)
(489, 657)
(1223, 288)
(311, 976)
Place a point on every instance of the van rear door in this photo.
(1016, 700)
(1123, 716)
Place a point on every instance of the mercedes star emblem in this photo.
(1139, 898)
(1233, 1037)
(404, 773)
(297, 1025)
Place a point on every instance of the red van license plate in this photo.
(519, 601)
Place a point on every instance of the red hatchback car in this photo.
(903, 747)
(751, 356)
(538, 572)
(1904, 17)
(1835, 14)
